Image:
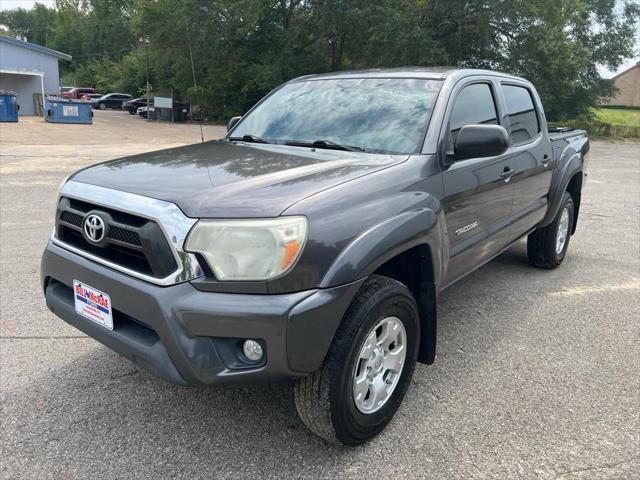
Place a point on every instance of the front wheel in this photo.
(368, 368)
(103, 106)
(547, 247)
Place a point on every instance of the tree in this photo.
(244, 48)
(36, 24)
(556, 44)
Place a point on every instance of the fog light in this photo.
(252, 350)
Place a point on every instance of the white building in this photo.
(27, 68)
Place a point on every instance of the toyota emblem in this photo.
(94, 228)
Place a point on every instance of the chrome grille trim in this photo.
(173, 223)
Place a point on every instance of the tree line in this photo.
(243, 48)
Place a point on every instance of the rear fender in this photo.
(571, 162)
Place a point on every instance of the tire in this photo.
(103, 106)
(543, 245)
(325, 400)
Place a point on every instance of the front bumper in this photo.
(191, 337)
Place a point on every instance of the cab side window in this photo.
(522, 113)
(474, 105)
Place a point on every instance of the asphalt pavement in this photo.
(537, 375)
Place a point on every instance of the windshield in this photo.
(383, 115)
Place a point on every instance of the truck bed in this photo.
(562, 133)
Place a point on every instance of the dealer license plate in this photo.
(93, 304)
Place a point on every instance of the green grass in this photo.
(618, 116)
(615, 123)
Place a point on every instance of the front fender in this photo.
(383, 241)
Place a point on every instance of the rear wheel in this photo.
(547, 247)
(368, 368)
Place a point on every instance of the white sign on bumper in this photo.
(92, 304)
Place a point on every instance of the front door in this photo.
(478, 191)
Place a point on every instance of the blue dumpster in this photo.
(8, 107)
(63, 110)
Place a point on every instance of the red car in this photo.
(78, 92)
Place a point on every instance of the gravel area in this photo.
(537, 375)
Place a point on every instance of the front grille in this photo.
(71, 218)
(133, 242)
(125, 236)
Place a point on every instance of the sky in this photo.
(10, 4)
(605, 73)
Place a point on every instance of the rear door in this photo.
(478, 191)
(531, 153)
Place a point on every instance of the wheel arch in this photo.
(574, 187)
(573, 158)
(572, 173)
(414, 269)
(379, 244)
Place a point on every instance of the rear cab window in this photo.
(522, 113)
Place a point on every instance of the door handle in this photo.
(507, 174)
(546, 160)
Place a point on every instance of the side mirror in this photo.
(475, 141)
(232, 122)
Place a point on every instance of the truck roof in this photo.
(434, 73)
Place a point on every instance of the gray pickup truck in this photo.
(312, 242)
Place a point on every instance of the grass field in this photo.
(610, 123)
(618, 116)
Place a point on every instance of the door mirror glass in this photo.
(232, 122)
(474, 141)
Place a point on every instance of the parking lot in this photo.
(537, 374)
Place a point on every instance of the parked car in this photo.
(132, 105)
(180, 112)
(78, 92)
(313, 241)
(110, 100)
(87, 97)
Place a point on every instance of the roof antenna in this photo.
(193, 71)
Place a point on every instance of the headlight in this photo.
(249, 249)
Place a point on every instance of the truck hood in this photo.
(221, 179)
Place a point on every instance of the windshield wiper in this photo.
(327, 144)
(337, 146)
(249, 138)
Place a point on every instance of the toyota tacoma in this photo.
(311, 243)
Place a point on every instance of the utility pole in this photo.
(193, 71)
(146, 48)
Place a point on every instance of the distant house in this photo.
(27, 68)
(628, 84)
